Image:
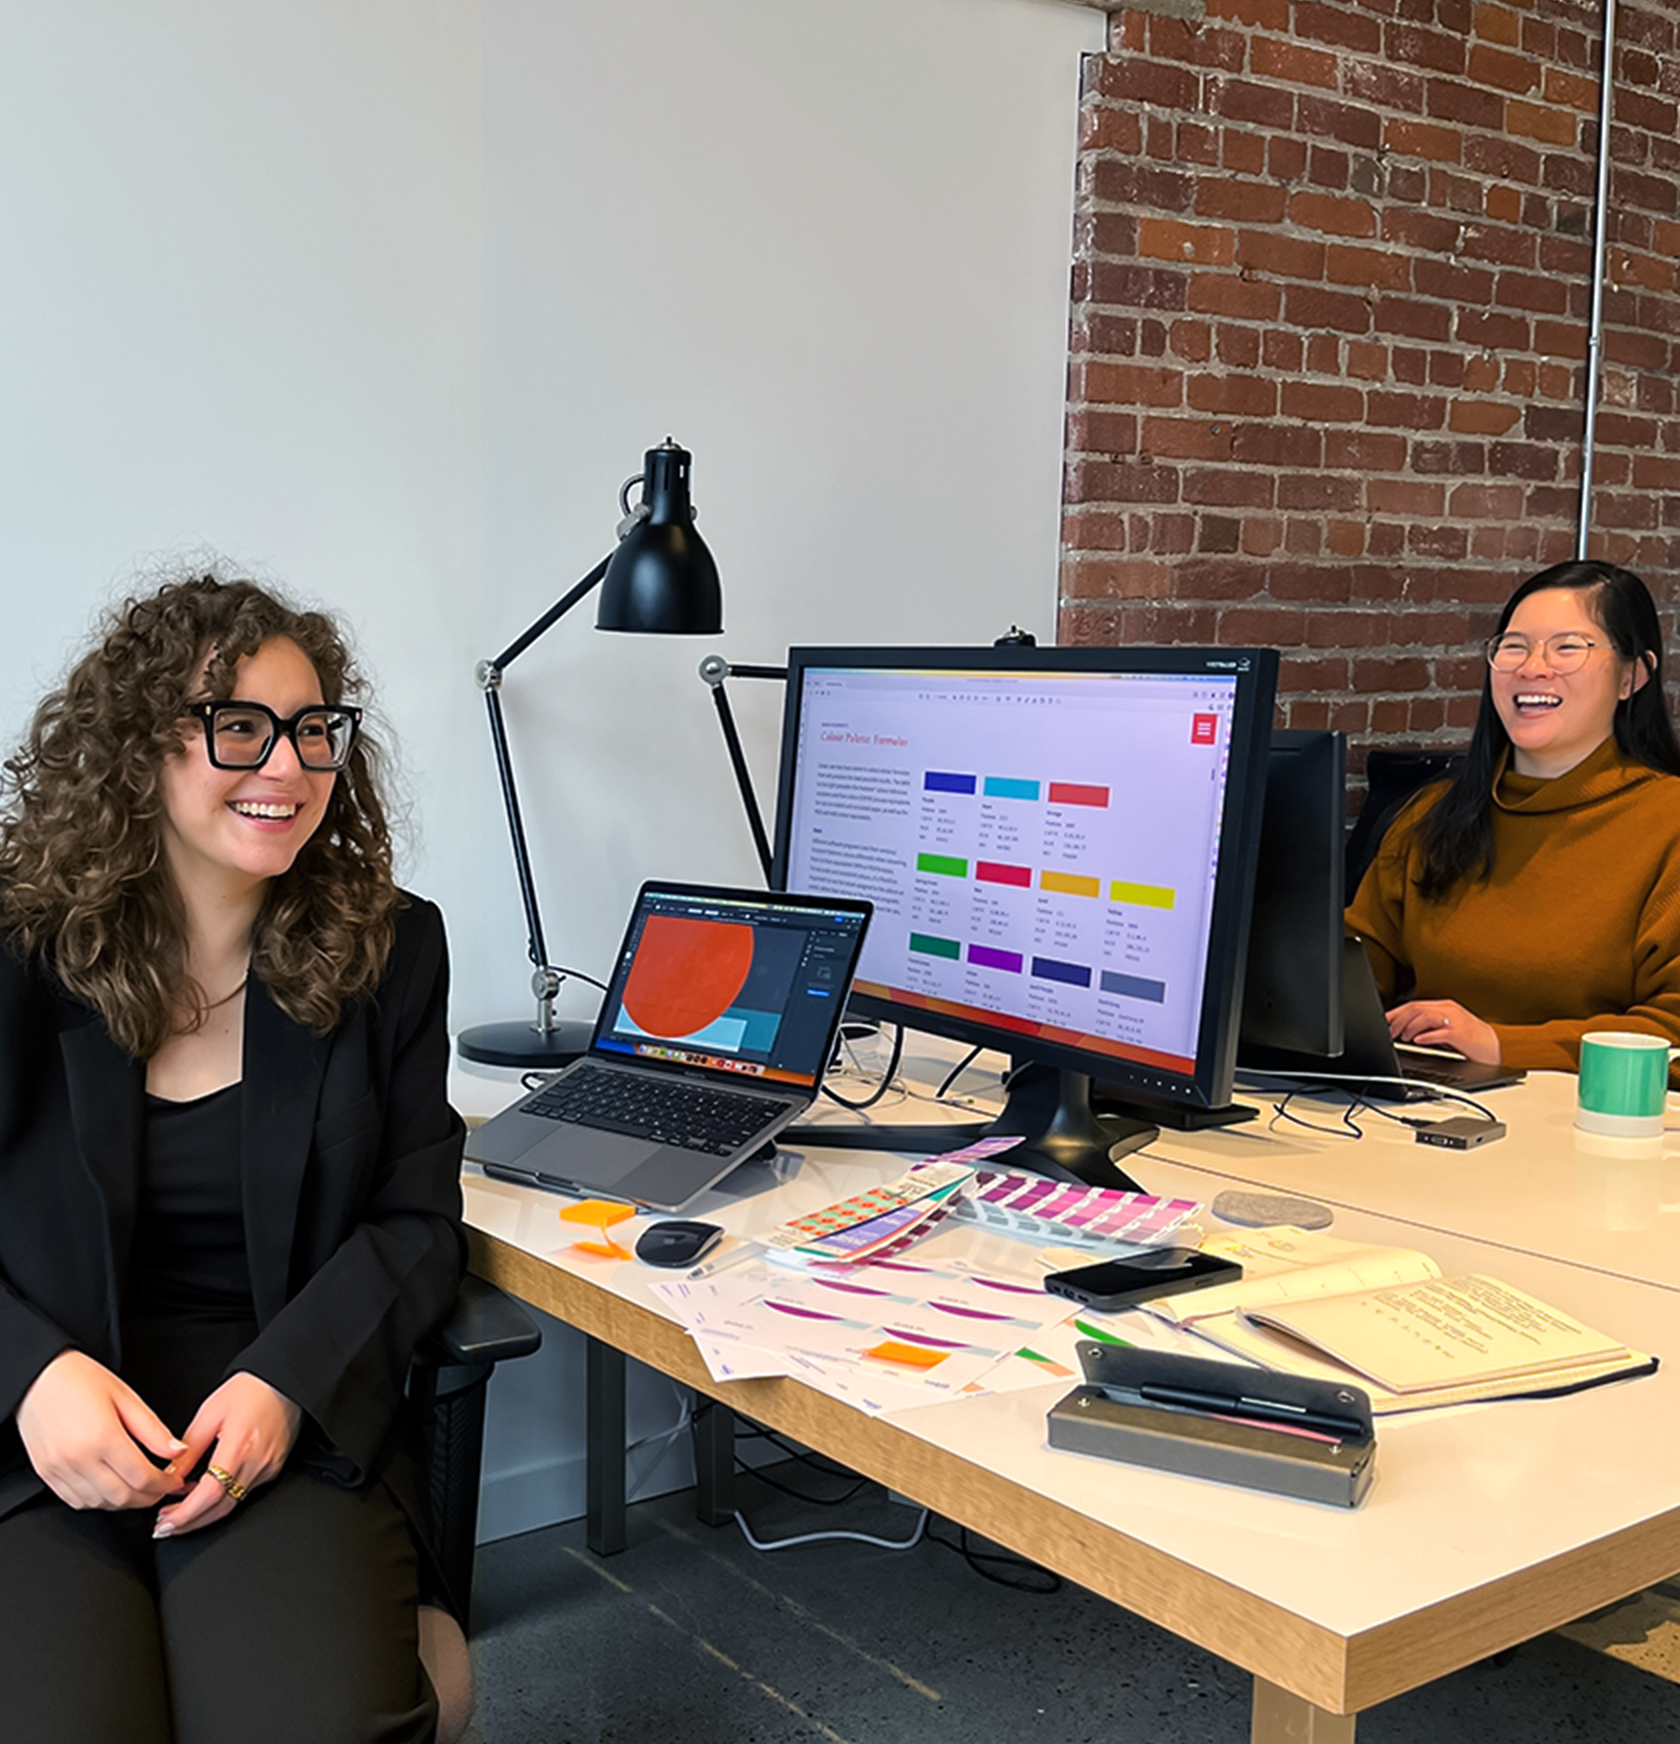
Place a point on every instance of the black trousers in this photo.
(293, 1619)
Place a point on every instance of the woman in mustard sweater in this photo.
(1535, 894)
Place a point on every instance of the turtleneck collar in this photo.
(1602, 773)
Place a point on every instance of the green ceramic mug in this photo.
(1623, 1087)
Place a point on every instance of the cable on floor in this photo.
(767, 1544)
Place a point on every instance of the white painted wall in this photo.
(242, 308)
(386, 298)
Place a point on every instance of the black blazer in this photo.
(350, 1158)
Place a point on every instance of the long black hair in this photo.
(1456, 836)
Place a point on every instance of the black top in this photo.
(188, 1256)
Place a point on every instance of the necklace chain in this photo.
(216, 1004)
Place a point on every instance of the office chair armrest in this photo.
(485, 1326)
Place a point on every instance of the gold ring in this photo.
(236, 1491)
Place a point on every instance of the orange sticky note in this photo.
(914, 1356)
(601, 1213)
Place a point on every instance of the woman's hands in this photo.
(247, 1429)
(87, 1434)
(1444, 1023)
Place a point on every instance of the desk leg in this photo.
(714, 1462)
(604, 1448)
(1282, 1718)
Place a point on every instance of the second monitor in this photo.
(1060, 846)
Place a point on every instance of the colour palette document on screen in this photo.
(1001, 827)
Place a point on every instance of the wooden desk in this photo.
(1485, 1526)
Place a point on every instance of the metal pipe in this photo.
(1601, 227)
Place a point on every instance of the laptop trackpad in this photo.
(603, 1158)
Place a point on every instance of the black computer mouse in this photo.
(676, 1243)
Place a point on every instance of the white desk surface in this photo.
(1544, 1189)
(1485, 1526)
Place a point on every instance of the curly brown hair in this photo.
(83, 877)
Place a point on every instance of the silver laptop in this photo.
(714, 1034)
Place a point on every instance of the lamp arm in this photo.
(743, 780)
(546, 981)
(714, 669)
(537, 948)
(549, 618)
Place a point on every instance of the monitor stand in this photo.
(1049, 1110)
(1061, 1135)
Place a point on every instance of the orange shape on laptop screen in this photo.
(686, 973)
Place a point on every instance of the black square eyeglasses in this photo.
(242, 735)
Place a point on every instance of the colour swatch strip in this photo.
(1069, 974)
(1134, 987)
(1013, 787)
(1142, 895)
(995, 872)
(1043, 968)
(989, 957)
(1073, 793)
(1070, 884)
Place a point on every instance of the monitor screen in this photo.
(1059, 844)
(1292, 993)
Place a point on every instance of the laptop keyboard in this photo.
(695, 1117)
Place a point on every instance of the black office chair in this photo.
(447, 1385)
(1391, 778)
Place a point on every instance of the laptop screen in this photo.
(733, 981)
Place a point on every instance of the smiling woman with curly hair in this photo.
(229, 1195)
(82, 867)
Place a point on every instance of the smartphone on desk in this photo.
(1162, 1271)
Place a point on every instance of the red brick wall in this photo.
(1330, 309)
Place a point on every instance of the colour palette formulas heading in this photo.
(1014, 838)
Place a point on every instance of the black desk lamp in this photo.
(662, 581)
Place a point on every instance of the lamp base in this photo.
(523, 1044)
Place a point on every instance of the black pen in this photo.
(1227, 1405)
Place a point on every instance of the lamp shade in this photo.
(661, 579)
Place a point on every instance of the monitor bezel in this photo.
(1208, 1085)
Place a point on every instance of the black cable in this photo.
(1350, 1084)
(1347, 1127)
(1042, 1585)
(887, 1077)
(799, 1495)
(956, 1072)
(829, 1468)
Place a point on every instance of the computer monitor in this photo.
(1292, 993)
(1060, 846)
